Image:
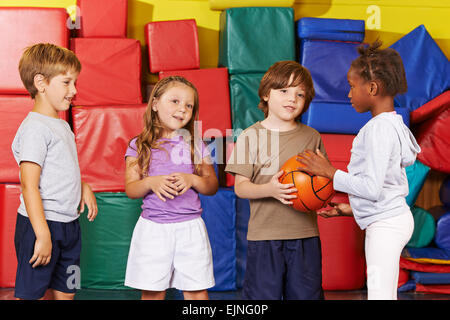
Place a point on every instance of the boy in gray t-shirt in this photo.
(47, 236)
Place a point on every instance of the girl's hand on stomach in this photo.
(182, 181)
(163, 186)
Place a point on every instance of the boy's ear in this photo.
(40, 82)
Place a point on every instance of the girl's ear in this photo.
(374, 88)
(154, 102)
(40, 82)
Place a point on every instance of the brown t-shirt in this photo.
(258, 154)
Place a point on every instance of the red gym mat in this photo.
(338, 147)
(9, 203)
(111, 71)
(103, 18)
(23, 27)
(172, 45)
(343, 260)
(214, 98)
(102, 134)
(431, 108)
(13, 109)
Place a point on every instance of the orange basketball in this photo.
(313, 192)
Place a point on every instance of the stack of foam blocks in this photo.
(15, 104)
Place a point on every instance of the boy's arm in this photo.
(88, 199)
(30, 173)
(246, 189)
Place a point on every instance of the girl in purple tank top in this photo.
(167, 167)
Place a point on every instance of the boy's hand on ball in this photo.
(281, 192)
(315, 164)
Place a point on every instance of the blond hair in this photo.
(48, 60)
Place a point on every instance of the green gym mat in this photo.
(424, 228)
(106, 241)
(251, 39)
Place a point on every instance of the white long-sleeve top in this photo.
(376, 181)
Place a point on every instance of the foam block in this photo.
(416, 174)
(430, 277)
(214, 99)
(431, 108)
(328, 117)
(424, 267)
(331, 29)
(338, 147)
(102, 134)
(247, 33)
(172, 45)
(442, 237)
(433, 137)
(424, 228)
(343, 262)
(438, 288)
(403, 277)
(26, 27)
(225, 4)
(13, 109)
(244, 101)
(111, 72)
(329, 62)
(427, 255)
(103, 18)
(219, 214)
(9, 203)
(421, 55)
(106, 241)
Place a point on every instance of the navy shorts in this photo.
(58, 274)
(283, 270)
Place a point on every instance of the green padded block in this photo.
(416, 174)
(424, 228)
(106, 241)
(244, 101)
(251, 39)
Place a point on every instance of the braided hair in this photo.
(384, 66)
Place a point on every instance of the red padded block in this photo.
(433, 136)
(172, 45)
(403, 277)
(111, 71)
(23, 27)
(13, 109)
(102, 134)
(9, 203)
(431, 108)
(229, 149)
(433, 288)
(214, 98)
(424, 267)
(103, 18)
(343, 261)
(338, 147)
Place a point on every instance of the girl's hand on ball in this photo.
(337, 209)
(316, 164)
(281, 192)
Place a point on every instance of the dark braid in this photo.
(382, 65)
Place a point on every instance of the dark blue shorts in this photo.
(283, 270)
(65, 260)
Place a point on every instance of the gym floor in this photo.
(172, 294)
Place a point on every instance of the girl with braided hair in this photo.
(376, 180)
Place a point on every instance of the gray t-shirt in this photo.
(50, 143)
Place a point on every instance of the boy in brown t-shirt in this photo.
(284, 254)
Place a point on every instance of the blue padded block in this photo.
(416, 174)
(426, 66)
(427, 253)
(215, 152)
(242, 217)
(219, 214)
(442, 236)
(430, 277)
(340, 117)
(331, 29)
(329, 62)
(408, 286)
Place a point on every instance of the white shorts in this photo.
(170, 255)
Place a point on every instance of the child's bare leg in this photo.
(58, 295)
(196, 295)
(153, 295)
